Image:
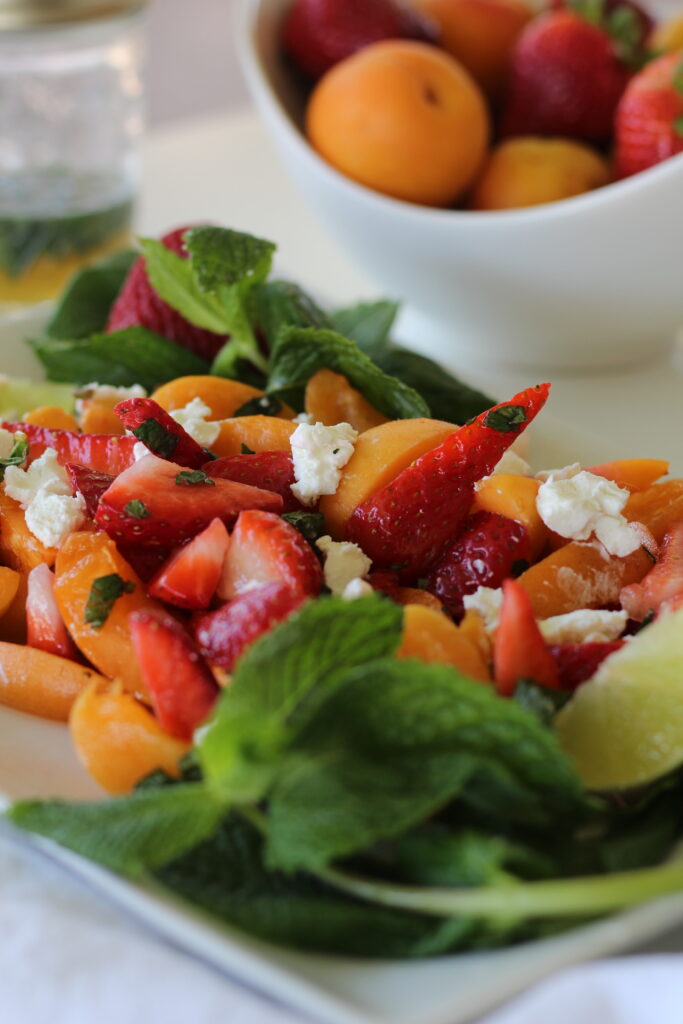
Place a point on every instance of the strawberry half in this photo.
(576, 663)
(224, 635)
(265, 549)
(189, 579)
(519, 650)
(104, 453)
(649, 120)
(181, 685)
(90, 484)
(408, 523)
(484, 555)
(156, 429)
(45, 627)
(161, 504)
(271, 471)
(663, 582)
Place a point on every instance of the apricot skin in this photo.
(430, 636)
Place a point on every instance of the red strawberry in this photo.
(565, 78)
(578, 662)
(90, 484)
(625, 21)
(181, 685)
(319, 33)
(649, 120)
(265, 549)
(159, 503)
(662, 583)
(224, 635)
(410, 521)
(138, 305)
(104, 453)
(190, 578)
(483, 555)
(45, 627)
(387, 583)
(159, 432)
(271, 471)
(519, 650)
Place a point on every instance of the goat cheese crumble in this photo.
(319, 454)
(192, 418)
(344, 564)
(357, 588)
(7, 440)
(43, 490)
(581, 505)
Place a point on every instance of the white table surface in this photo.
(226, 169)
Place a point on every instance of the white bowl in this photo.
(588, 282)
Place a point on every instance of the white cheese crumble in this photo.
(319, 454)
(43, 490)
(584, 626)
(486, 601)
(511, 462)
(107, 393)
(582, 505)
(193, 419)
(344, 563)
(7, 441)
(140, 450)
(303, 417)
(357, 588)
(559, 474)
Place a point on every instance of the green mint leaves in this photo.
(506, 419)
(104, 593)
(136, 509)
(194, 478)
(310, 525)
(84, 307)
(157, 438)
(266, 405)
(17, 455)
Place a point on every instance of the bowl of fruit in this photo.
(513, 176)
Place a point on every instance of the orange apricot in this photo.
(13, 621)
(667, 37)
(515, 497)
(473, 627)
(403, 118)
(658, 507)
(632, 474)
(40, 683)
(83, 558)
(19, 549)
(330, 399)
(379, 456)
(432, 637)
(528, 171)
(51, 416)
(9, 587)
(258, 433)
(118, 740)
(98, 417)
(413, 595)
(480, 34)
(222, 395)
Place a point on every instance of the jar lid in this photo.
(19, 15)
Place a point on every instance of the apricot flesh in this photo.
(380, 454)
(432, 637)
(258, 433)
(403, 118)
(19, 548)
(330, 399)
(508, 494)
(223, 396)
(40, 683)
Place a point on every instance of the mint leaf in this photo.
(17, 455)
(130, 356)
(85, 305)
(369, 324)
(678, 126)
(221, 257)
(129, 834)
(540, 701)
(299, 353)
(174, 280)
(194, 478)
(157, 438)
(448, 398)
(280, 304)
(136, 509)
(310, 525)
(246, 450)
(104, 593)
(265, 405)
(507, 419)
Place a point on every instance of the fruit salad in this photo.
(487, 104)
(354, 676)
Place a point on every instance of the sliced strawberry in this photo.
(180, 683)
(265, 549)
(271, 471)
(662, 583)
(159, 503)
(190, 578)
(224, 635)
(519, 650)
(45, 627)
(156, 429)
(386, 583)
(104, 453)
(90, 484)
(578, 662)
(485, 554)
(410, 521)
(145, 559)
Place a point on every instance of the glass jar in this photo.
(70, 123)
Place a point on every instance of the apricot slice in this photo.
(431, 637)
(473, 627)
(19, 549)
(379, 456)
(9, 586)
(53, 417)
(40, 683)
(223, 396)
(658, 507)
(98, 417)
(258, 433)
(515, 497)
(118, 740)
(83, 558)
(330, 399)
(413, 595)
(632, 474)
(580, 575)
(13, 620)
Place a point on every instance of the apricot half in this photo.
(431, 637)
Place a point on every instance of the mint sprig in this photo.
(17, 455)
(104, 593)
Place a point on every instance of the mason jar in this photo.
(70, 122)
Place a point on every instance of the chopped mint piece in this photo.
(157, 438)
(310, 525)
(104, 593)
(137, 509)
(506, 419)
(194, 478)
(246, 450)
(266, 405)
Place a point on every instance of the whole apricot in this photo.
(480, 34)
(667, 37)
(402, 118)
(527, 171)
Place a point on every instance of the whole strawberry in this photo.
(138, 305)
(649, 120)
(318, 34)
(566, 78)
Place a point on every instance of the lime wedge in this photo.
(624, 727)
(18, 396)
